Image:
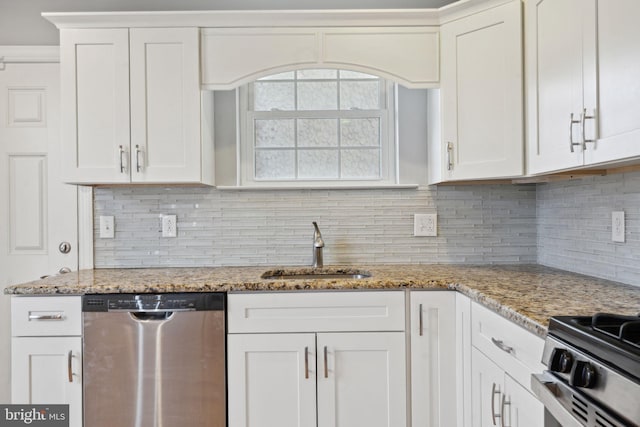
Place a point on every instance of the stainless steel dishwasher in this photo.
(154, 360)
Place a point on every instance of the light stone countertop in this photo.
(526, 294)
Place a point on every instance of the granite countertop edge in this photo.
(528, 295)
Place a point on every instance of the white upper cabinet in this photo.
(583, 104)
(131, 106)
(233, 56)
(481, 99)
(95, 105)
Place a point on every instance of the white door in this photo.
(361, 379)
(487, 390)
(520, 408)
(482, 95)
(38, 212)
(271, 380)
(433, 369)
(554, 84)
(613, 88)
(50, 367)
(165, 105)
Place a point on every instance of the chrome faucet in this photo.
(318, 244)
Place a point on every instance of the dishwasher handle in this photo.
(151, 315)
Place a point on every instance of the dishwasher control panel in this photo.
(153, 302)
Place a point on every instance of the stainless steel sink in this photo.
(310, 274)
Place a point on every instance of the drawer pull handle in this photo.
(58, 316)
(505, 402)
(420, 319)
(502, 346)
(494, 391)
(69, 366)
(326, 365)
(306, 363)
(573, 121)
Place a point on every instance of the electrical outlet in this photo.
(169, 228)
(107, 227)
(425, 225)
(617, 226)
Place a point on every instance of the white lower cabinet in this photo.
(498, 400)
(503, 357)
(433, 361)
(324, 379)
(46, 353)
(306, 372)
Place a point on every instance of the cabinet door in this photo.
(271, 380)
(487, 390)
(463, 360)
(482, 101)
(47, 370)
(361, 379)
(165, 105)
(520, 408)
(554, 84)
(433, 369)
(95, 105)
(614, 35)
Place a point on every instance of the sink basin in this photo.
(311, 274)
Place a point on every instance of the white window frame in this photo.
(388, 140)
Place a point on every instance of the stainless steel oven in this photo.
(593, 372)
(154, 360)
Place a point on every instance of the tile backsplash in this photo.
(482, 224)
(565, 225)
(574, 226)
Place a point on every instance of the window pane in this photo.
(360, 132)
(344, 74)
(360, 95)
(317, 74)
(269, 96)
(360, 163)
(279, 76)
(316, 164)
(317, 96)
(274, 133)
(275, 164)
(317, 132)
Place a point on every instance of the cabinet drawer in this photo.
(316, 312)
(42, 316)
(516, 350)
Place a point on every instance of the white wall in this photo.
(21, 23)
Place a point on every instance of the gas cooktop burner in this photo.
(625, 328)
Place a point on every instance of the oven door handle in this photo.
(545, 387)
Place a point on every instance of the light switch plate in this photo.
(617, 226)
(425, 225)
(107, 227)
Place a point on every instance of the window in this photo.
(317, 125)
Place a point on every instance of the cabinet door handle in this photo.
(121, 153)
(583, 119)
(326, 364)
(449, 157)
(572, 122)
(505, 402)
(306, 362)
(502, 346)
(70, 366)
(138, 167)
(57, 316)
(493, 399)
(420, 320)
